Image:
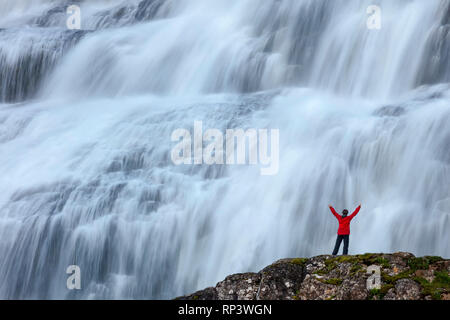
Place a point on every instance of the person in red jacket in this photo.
(344, 228)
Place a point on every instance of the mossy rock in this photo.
(330, 265)
(418, 263)
(366, 256)
(393, 279)
(357, 262)
(366, 259)
(345, 259)
(433, 259)
(423, 263)
(333, 281)
(299, 261)
(435, 289)
(380, 293)
(383, 262)
(321, 272)
(373, 258)
(356, 268)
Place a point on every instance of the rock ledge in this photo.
(402, 277)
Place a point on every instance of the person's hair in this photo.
(345, 212)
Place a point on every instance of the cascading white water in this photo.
(87, 117)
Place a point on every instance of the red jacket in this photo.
(344, 223)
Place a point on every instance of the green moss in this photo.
(333, 262)
(357, 261)
(195, 297)
(380, 293)
(333, 281)
(321, 272)
(385, 288)
(373, 293)
(423, 263)
(440, 284)
(373, 258)
(383, 262)
(299, 261)
(365, 256)
(443, 278)
(433, 259)
(343, 259)
(392, 279)
(436, 295)
(330, 264)
(367, 259)
(355, 268)
(418, 263)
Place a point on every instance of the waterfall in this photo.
(86, 118)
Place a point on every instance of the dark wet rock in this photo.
(206, 294)
(22, 77)
(390, 111)
(148, 9)
(54, 16)
(435, 66)
(402, 277)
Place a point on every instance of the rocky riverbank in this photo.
(397, 276)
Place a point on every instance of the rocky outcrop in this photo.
(401, 276)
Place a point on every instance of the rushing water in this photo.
(86, 118)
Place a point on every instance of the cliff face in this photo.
(397, 276)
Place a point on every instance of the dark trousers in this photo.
(339, 239)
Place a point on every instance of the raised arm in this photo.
(355, 212)
(334, 212)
